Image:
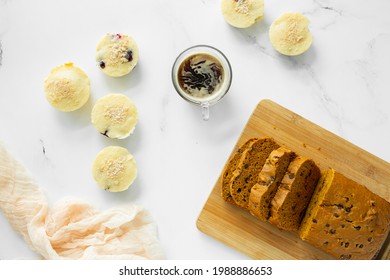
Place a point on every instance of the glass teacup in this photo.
(202, 75)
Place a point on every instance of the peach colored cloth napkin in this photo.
(73, 229)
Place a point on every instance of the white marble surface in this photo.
(342, 84)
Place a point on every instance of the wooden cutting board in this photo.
(261, 240)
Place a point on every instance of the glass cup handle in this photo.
(205, 110)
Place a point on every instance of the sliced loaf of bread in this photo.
(345, 218)
(271, 174)
(294, 193)
(248, 169)
(230, 168)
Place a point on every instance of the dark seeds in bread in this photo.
(345, 218)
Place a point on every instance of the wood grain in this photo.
(260, 240)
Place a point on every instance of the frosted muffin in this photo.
(67, 87)
(114, 169)
(116, 54)
(290, 35)
(115, 116)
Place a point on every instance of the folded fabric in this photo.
(72, 229)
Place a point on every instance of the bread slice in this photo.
(248, 169)
(230, 167)
(345, 218)
(271, 174)
(294, 193)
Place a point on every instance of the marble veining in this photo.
(43, 147)
(326, 10)
(327, 102)
(325, 5)
(367, 69)
(365, 66)
(45, 155)
(319, 88)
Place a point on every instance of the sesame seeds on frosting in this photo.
(116, 114)
(293, 35)
(114, 168)
(242, 6)
(242, 13)
(116, 54)
(60, 89)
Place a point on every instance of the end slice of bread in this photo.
(230, 168)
